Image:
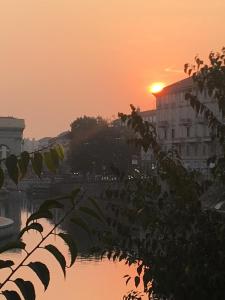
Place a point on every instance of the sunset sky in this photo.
(60, 59)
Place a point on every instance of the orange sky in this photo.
(60, 59)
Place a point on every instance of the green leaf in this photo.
(34, 226)
(13, 245)
(58, 255)
(41, 271)
(12, 168)
(23, 163)
(1, 177)
(90, 212)
(39, 215)
(60, 151)
(80, 222)
(11, 295)
(6, 264)
(37, 163)
(137, 281)
(71, 244)
(26, 288)
(50, 204)
(49, 162)
(55, 157)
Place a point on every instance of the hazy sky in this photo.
(60, 59)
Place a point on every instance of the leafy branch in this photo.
(17, 166)
(26, 287)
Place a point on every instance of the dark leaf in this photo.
(13, 245)
(12, 168)
(11, 295)
(26, 288)
(6, 264)
(90, 212)
(80, 222)
(39, 215)
(139, 269)
(55, 157)
(58, 255)
(34, 226)
(97, 207)
(109, 254)
(23, 163)
(37, 163)
(41, 271)
(137, 281)
(49, 204)
(71, 244)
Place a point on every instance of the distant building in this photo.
(11, 136)
(181, 128)
(30, 145)
(44, 142)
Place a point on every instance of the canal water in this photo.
(90, 278)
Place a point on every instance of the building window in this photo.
(187, 150)
(203, 149)
(165, 134)
(173, 133)
(188, 131)
(212, 149)
(4, 151)
(179, 149)
(196, 149)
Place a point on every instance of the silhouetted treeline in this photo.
(96, 145)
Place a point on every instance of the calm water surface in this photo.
(88, 279)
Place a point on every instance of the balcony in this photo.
(201, 119)
(185, 121)
(163, 123)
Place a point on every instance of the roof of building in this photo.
(178, 86)
(44, 139)
(147, 113)
(11, 122)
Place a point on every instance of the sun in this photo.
(156, 87)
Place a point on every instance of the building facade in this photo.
(11, 136)
(180, 127)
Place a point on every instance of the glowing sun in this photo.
(156, 87)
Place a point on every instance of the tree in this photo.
(159, 223)
(96, 145)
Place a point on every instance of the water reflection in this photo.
(89, 279)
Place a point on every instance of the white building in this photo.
(11, 136)
(180, 127)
